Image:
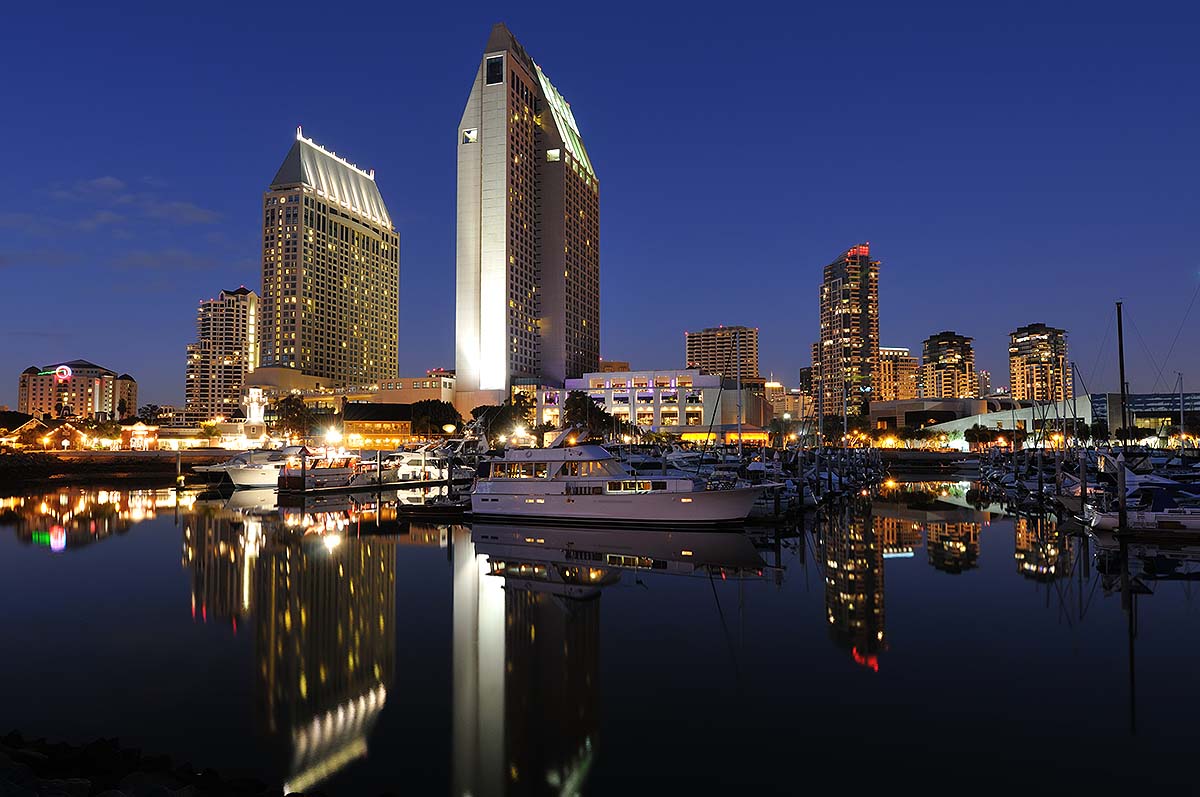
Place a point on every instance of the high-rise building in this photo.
(985, 383)
(528, 245)
(849, 342)
(1038, 368)
(805, 383)
(76, 389)
(948, 367)
(226, 349)
(897, 379)
(330, 301)
(724, 350)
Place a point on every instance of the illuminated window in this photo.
(495, 70)
(553, 155)
(470, 135)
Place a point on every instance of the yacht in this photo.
(331, 469)
(215, 474)
(585, 483)
(263, 471)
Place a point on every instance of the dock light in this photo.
(333, 436)
(519, 431)
(449, 428)
(571, 440)
(502, 438)
(626, 439)
(332, 541)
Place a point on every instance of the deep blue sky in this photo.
(1009, 163)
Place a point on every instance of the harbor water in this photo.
(913, 641)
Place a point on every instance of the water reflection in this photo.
(314, 584)
(527, 642)
(322, 605)
(73, 517)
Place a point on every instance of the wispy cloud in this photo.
(181, 212)
(36, 259)
(100, 218)
(163, 260)
(108, 192)
(32, 223)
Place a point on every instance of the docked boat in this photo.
(218, 473)
(263, 471)
(586, 483)
(1162, 512)
(332, 469)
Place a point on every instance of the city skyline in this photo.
(136, 213)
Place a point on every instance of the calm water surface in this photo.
(911, 642)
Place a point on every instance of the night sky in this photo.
(1009, 164)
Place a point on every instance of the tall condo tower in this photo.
(948, 367)
(330, 302)
(849, 345)
(226, 349)
(528, 247)
(724, 350)
(1038, 368)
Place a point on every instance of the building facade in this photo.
(848, 350)
(681, 401)
(897, 374)
(948, 367)
(77, 388)
(528, 233)
(985, 383)
(331, 271)
(728, 351)
(225, 351)
(1038, 367)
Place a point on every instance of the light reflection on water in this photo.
(298, 608)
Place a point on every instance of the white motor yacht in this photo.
(263, 471)
(585, 483)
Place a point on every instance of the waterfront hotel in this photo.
(528, 237)
(76, 389)
(330, 301)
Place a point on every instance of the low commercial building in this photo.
(920, 413)
(686, 402)
(376, 425)
(435, 385)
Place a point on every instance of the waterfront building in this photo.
(948, 367)
(848, 349)
(685, 401)
(528, 233)
(985, 383)
(330, 271)
(376, 425)
(76, 389)
(1038, 367)
(613, 366)
(897, 374)
(728, 351)
(225, 351)
(434, 385)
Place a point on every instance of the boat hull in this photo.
(700, 507)
(253, 477)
